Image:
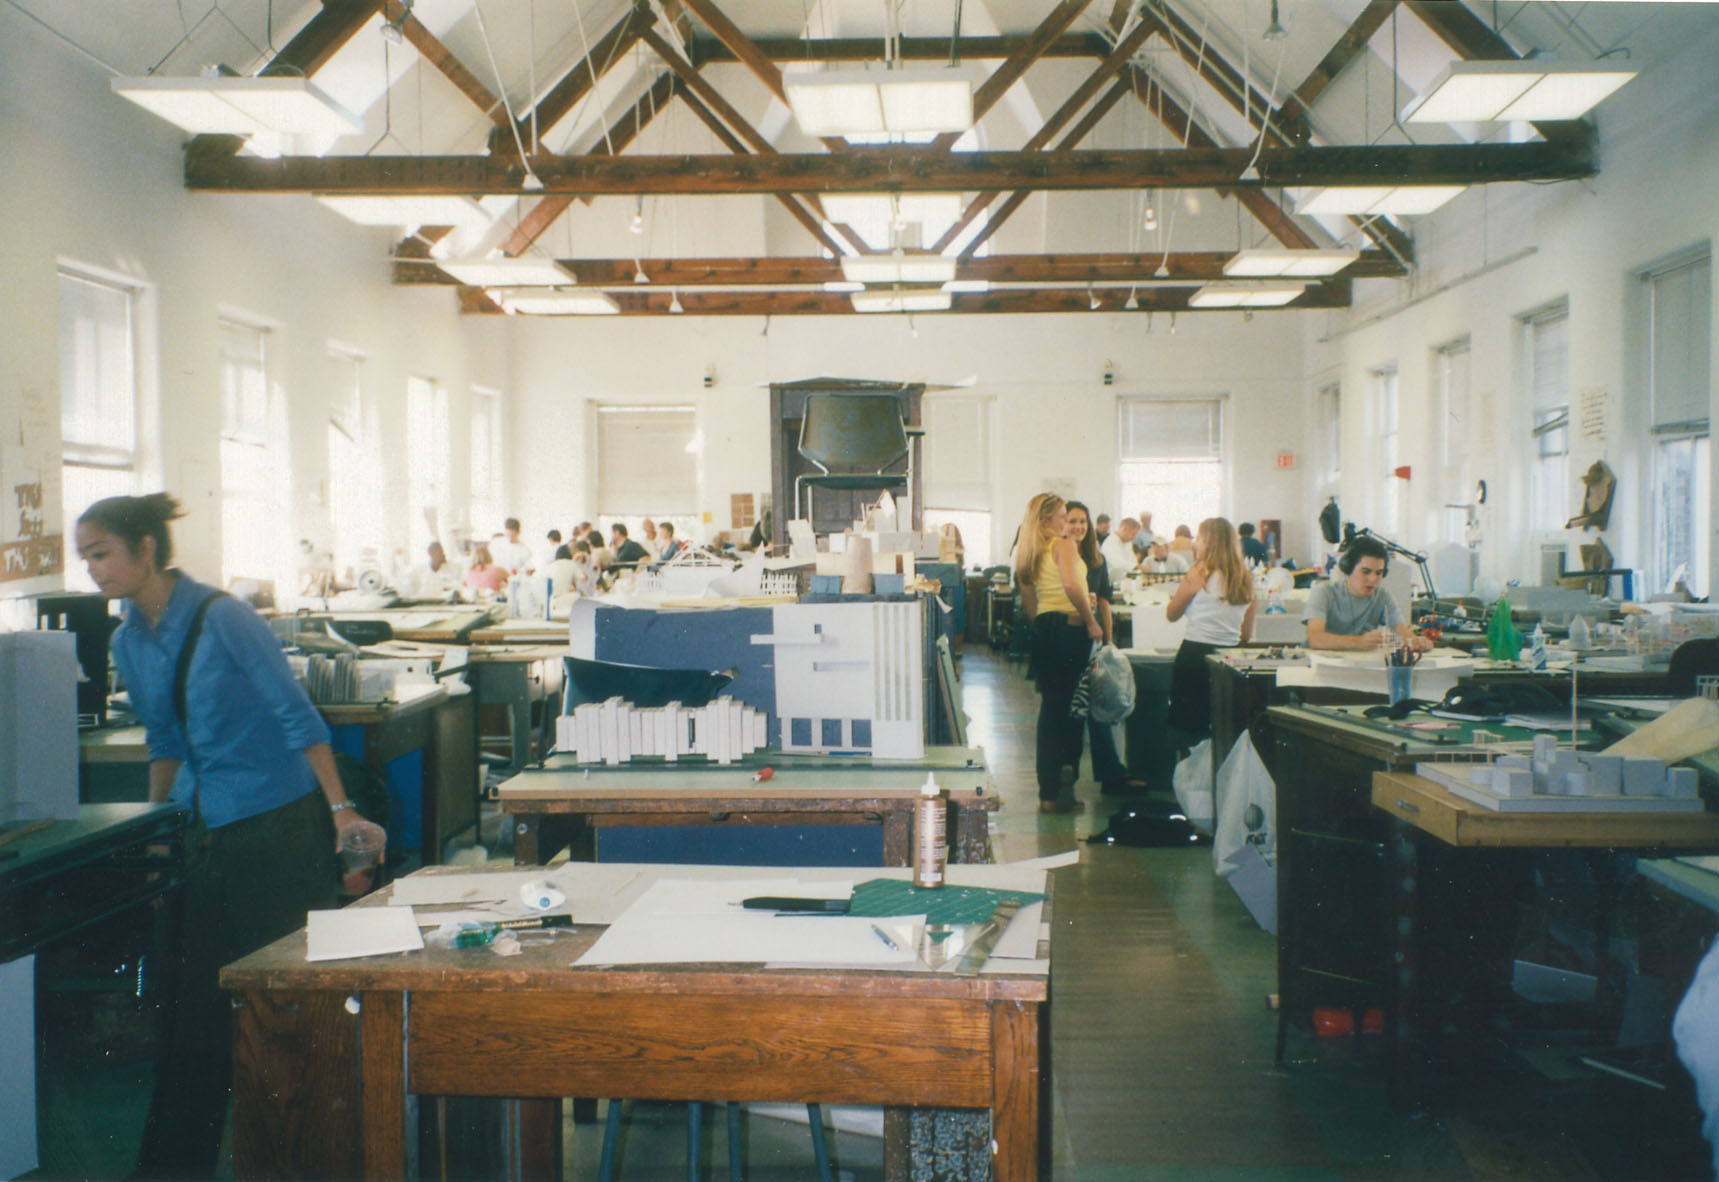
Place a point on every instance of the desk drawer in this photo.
(1404, 800)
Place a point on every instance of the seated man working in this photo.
(1349, 613)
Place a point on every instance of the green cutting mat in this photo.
(947, 904)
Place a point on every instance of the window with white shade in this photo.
(1329, 433)
(487, 512)
(98, 399)
(1678, 299)
(427, 452)
(1385, 435)
(1546, 352)
(647, 462)
(957, 454)
(1170, 460)
(255, 498)
(1450, 388)
(355, 492)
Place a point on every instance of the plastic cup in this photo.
(1398, 679)
(361, 846)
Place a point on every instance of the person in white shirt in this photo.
(508, 552)
(546, 552)
(432, 578)
(1217, 599)
(1117, 549)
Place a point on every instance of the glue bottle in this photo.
(930, 824)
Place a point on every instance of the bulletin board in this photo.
(32, 546)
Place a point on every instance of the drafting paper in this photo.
(744, 937)
(361, 931)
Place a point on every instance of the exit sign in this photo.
(1286, 459)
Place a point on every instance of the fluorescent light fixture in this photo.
(410, 211)
(1378, 199)
(1267, 264)
(967, 285)
(892, 301)
(1245, 295)
(241, 106)
(860, 209)
(505, 272)
(843, 286)
(836, 102)
(1496, 92)
(898, 268)
(540, 302)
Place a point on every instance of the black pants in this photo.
(1060, 652)
(247, 885)
(1191, 692)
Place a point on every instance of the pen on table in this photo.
(888, 940)
(536, 921)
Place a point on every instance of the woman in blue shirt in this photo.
(241, 747)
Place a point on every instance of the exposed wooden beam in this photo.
(1119, 11)
(1071, 106)
(707, 50)
(1055, 23)
(655, 301)
(1473, 40)
(543, 214)
(897, 170)
(1181, 124)
(749, 55)
(431, 49)
(812, 224)
(1183, 266)
(1234, 87)
(1297, 109)
(1019, 197)
(577, 82)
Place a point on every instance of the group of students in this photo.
(584, 564)
(1065, 587)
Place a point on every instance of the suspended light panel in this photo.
(1378, 199)
(897, 268)
(505, 272)
(838, 102)
(1498, 92)
(1268, 264)
(221, 105)
(543, 302)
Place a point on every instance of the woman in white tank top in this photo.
(1216, 596)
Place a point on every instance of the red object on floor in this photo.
(1334, 1022)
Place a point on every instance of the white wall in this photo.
(1055, 419)
(90, 178)
(1659, 154)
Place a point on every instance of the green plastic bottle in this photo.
(1503, 641)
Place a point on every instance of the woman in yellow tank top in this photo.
(1052, 582)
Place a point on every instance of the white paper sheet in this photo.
(361, 931)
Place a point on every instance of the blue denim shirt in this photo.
(248, 717)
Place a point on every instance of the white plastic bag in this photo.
(1109, 685)
(1192, 781)
(1243, 782)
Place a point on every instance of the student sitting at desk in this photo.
(431, 579)
(484, 574)
(234, 739)
(1350, 614)
(627, 551)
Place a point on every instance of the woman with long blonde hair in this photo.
(1216, 596)
(1058, 607)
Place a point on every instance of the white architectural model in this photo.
(1557, 778)
(615, 732)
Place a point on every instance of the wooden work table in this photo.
(827, 791)
(328, 1054)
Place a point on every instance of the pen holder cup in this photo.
(1398, 680)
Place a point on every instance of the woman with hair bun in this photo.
(234, 738)
(1054, 598)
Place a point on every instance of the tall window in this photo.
(355, 492)
(1450, 377)
(1385, 420)
(98, 399)
(1170, 460)
(647, 463)
(254, 498)
(487, 513)
(958, 470)
(1679, 307)
(1547, 352)
(426, 462)
(1329, 426)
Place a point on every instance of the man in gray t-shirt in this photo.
(1349, 614)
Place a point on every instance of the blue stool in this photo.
(694, 1131)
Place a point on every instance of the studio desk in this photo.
(847, 810)
(337, 1063)
(1394, 893)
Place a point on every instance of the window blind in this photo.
(98, 407)
(1549, 357)
(644, 465)
(1680, 310)
(957, 452)
(1169, 429)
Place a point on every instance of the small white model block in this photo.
(1513, 782)
(1682, 782)
(1643, 777)
(1607, 771)
(614, 732)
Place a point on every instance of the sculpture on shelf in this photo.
(1600, 483)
